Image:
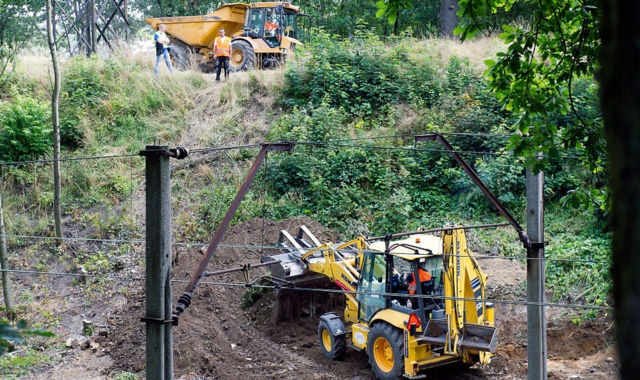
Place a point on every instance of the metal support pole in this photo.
(92, 25)
(536, 323)
(158, 264)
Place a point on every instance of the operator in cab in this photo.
(424, 277)
(222, 52)
(271, 25)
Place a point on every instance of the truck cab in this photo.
(271, 30)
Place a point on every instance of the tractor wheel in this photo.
(385, 350)
(179, 58)
(242, 57)
(332, 346)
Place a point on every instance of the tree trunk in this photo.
(620, 91)
(396, 25)
(55, 99)
(448, 17)
(6, 284)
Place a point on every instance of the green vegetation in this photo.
(11, 339)
(335, 90)
(125, 376)
(358, 189)
(16, 366)
(25, 133)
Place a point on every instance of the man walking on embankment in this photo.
(222, 52)
(162, 48)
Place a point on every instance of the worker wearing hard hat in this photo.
(162, 48)
(222, 52)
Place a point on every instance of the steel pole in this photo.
(158, 263)
(536, 323)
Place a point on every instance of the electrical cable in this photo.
(275, 247)
(318, 290)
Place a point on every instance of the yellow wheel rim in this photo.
(237, 57)
(383, 353)
(326, 340)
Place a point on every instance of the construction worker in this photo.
(424, 276)
(222, 52)
(162, 48)
(271, 25)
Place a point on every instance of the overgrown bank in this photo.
(344, 97)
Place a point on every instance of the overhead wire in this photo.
(275, 247)
(50, 160)
(317, 290)
(332, 143)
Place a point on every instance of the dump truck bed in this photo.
(200, 31)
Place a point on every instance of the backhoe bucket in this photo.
(479, 337)
(436, 332)
(474, 337)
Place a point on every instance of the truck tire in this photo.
(179, 58)
(385, 350)
(242, 57)
(332, 346)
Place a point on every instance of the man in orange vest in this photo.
(424, 276)
(222, 52)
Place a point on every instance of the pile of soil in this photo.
(274, 334)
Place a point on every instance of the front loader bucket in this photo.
(479, 337)
(290, 266)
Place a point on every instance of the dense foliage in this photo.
(25, 133)
(549, 61)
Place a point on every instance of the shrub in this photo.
(424, 85)
(24, 130)
(362, 81)
(83, 83)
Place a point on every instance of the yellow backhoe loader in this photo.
(262, 34)
(406, 326)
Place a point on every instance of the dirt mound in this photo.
(216, 337)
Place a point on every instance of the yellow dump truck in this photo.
(262, 34)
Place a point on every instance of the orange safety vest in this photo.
(270, 25)
(424, 276)
(222, 47)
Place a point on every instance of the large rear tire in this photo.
(332, 346)
(243, 58)
(385, 350)
(180, 59)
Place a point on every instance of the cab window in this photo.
(256, 21)
(290, 23)
(373, 279)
